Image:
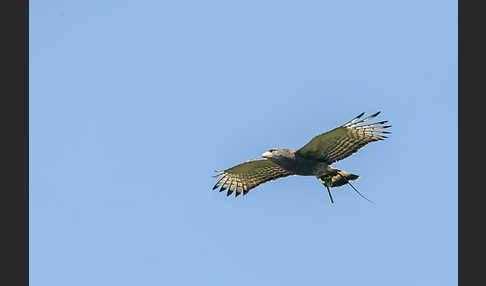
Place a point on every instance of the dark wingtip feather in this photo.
(237, 194)
(223, 187)
(355, 124)
(353, 120)
(229, 193)
(245, 192)
(217, 184)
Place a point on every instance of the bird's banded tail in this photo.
(338, 179)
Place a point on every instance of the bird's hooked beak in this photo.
(267, 155)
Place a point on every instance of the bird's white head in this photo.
(277, 154)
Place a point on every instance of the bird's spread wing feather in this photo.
(344, 140)
(246, 176)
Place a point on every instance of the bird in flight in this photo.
(313, 159)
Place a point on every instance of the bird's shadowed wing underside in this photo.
(343, 141)
(246, 176)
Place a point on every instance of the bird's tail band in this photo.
(340, 179)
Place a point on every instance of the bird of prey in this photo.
(313, 159)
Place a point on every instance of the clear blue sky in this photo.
(134, 104)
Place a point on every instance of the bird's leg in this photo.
(329, 191)
(328, 183)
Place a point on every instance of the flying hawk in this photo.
(313, 159)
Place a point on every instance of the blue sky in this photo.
(134, 104)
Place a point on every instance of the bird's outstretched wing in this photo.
(246, 176)
(344, 140)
